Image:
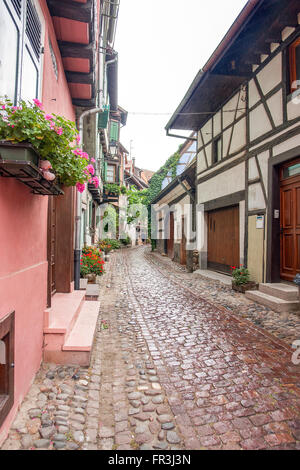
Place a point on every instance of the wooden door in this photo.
(51, 248)
(183, 243)
(7, 334)
(290, 220)
(223, 239)
(170, 240)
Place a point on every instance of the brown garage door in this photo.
(223, 239)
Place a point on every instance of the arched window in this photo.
(2, 353)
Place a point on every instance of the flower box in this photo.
(20, 161)
(244, 287)
(18, 152)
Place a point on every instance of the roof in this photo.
(258, 25)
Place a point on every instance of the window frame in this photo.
(7, 328)
(215, 158)
(293, 64)
(114, 173)
(24, 43)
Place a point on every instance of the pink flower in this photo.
(48, 117)
(3, 106)
(80, 187)
(78, 139)
(93, 160)
(91, 169)
(38, 104)
(59, 131)
(96, 181)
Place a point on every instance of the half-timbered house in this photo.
(245, 106)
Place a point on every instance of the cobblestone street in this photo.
(170, 370)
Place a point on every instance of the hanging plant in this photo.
(54, 138)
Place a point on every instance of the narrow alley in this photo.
(169, 370)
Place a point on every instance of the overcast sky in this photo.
(162, 44)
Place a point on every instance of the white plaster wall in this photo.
(225, 183)
(228, 117)
(259, 122)
(293, 108)
(287, 145)
(242, 230)
(256, 197)
(239, 136)
(254, 96)
(252, 169)
(263, 160)
(207, 131)
(275, 105)
(226, 138)
(271, 74)
(201, 163)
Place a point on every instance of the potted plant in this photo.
(241, 279)
(49, 141)
(91, 264)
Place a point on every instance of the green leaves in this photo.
(52, 136)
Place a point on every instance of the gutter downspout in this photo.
(77, 252)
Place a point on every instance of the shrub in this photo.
(126, 241)
(240, 275)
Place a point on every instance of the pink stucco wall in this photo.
(23, 243)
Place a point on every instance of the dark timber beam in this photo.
(72, 10)
(84, 103)
(70, 49)
(76, 77)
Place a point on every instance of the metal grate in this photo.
(33, 28)
(17, 6)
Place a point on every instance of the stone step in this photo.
(282, 291)
(78, 345)
(274, 303)
(63, 312)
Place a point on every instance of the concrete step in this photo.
(282, 291)
(63, 312)
(74, 347)
(274, 303)
(78, 345)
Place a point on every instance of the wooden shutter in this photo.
(7, 334)
(114, 131)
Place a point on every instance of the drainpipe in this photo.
(77, 252)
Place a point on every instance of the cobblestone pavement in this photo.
(285, 326)
(170, 370)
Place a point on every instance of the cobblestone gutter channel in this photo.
(168, 371)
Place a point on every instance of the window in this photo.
(20, 49)
(7, 325)
(217, 150)
(110, 173)
(295, 65)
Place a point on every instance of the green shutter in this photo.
(103, 119)
(114, 131)
(105, 171)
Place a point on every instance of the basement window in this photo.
(6, 365)
(295, 66)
